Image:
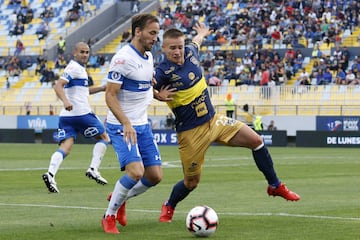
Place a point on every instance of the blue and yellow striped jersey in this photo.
(191, 105)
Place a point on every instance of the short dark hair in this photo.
(173, 33)
(141, 20)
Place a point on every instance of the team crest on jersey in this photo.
(191, 76)
(115, 75)
(174, 77)
(194, 61)
(170, 70)
(65, 75)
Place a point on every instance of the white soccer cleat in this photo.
(94, 174)
(50, 183)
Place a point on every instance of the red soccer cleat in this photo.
(121, 213)
(109, 224)
(167, 213)
(284, 192)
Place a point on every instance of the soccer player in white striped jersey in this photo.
(129, 92)
(77, 117)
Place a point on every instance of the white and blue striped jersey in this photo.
(76, 90)
(134, 72)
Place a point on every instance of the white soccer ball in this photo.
(202, 221)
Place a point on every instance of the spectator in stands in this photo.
(170, 121)
(87, 9)
(60, 62)
(328, 77)
(27, 64)
(13, 66)
(350, 78)
(72, 15)
(101, 60)
(212, 79)
(316, 53)
(320, 77)
(243, 78)
(93, 61)
(47, 13)
(257, 77)
(43, 30)
(289, 72)
(61, 45)
(14, 2)
(271, 126)
(18, 29)
(19, 47)
(29, 15)
(340, 78)
(264, 82)
(40, 66)
(135, 6)
(51, 109)
(28, 108)
(298, 62)
(47, 75)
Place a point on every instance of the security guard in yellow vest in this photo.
(258, 126)
(61, 46)
(230, 105)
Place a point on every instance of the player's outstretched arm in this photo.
(93, 90)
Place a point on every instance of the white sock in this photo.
(138, 189)
(55, 162)
(118, 197)
(98, 153)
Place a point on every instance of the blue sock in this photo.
(127, 181)
(265, 165)
(179, 192)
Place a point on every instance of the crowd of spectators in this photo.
(295, 24)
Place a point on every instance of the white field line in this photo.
(156, 211)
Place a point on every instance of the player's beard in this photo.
(147, 46)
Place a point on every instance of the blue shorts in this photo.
(146, 149)
(89, 125)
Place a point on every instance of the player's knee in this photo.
(257, 142)
(191, 183)
(155, 180)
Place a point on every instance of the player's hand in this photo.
(68, 106)
(202, 29)
(166, 93)
(129, 134)
(153, 82)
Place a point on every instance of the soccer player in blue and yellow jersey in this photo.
(197, 123)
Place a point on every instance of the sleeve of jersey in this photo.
(117, 70)
(160, 78)
(194, 47)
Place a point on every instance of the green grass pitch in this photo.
(328, 181)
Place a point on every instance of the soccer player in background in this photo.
(197, 124)
(129, 92)
(77, 117)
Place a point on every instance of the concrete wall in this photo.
(108, 24)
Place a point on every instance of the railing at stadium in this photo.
(278, 100)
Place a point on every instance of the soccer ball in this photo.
(202, 221)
